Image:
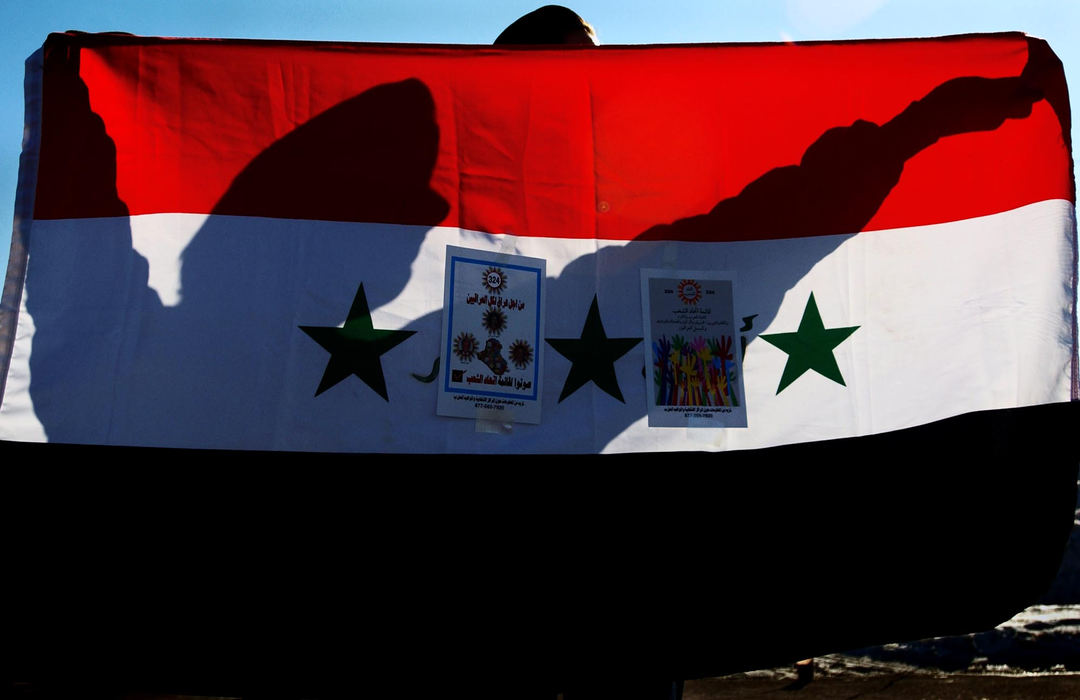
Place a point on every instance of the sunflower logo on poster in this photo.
(492, 326)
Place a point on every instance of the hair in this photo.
(550, 24)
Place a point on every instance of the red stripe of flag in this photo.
(614, 143)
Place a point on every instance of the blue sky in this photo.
(26, 24)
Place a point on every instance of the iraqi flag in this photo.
(897, 219)
(197, 217)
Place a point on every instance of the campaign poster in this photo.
(493, 325)
(694, 375)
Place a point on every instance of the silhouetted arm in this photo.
(844, 176)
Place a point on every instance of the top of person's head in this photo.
(551, 24)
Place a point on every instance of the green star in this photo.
(811, 347)
(356, 347)
(592, 356)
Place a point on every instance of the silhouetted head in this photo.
(551, 24)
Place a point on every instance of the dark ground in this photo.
(926, 687)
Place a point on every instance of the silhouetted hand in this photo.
(973, 103)
(959, 106)
(968, 104)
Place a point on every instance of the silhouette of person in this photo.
(554, 25)
(550, 24)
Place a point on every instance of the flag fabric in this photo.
(243, 244)
(197, 217)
